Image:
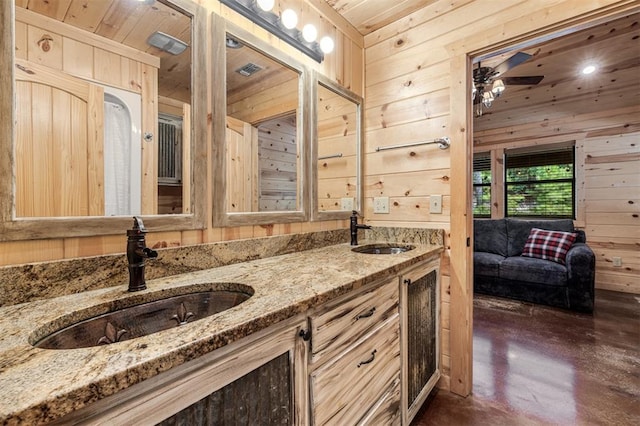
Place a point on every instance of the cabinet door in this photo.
(262, 379)
(420, 308)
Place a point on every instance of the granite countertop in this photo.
(37, 385)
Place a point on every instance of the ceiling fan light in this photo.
(487, 99)
(498, 88)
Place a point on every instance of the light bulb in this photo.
(289, 19)
(265, 5)
(588, 69)
(326, 44)
(309, 33)
(487, 99)
(498, 88)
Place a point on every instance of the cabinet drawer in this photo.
(345, 390)
(387, 410)
(341, 324)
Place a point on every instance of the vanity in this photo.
(328, 336)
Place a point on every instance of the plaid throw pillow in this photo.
(549, 245)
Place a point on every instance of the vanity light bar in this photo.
(270, 22)
(443, 143)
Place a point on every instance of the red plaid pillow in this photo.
(549, 245)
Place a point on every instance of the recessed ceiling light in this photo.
(588, 69)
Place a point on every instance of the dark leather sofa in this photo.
(500, 270)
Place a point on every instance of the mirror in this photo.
(104, 94)
(337, 137)
(262, 173)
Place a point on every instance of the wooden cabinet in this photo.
(261, 377)
(355, 359)
(420, 324)
(370, 357)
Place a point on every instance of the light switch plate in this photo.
(435, 204)
(381, 204)
(617, 261)
(346, 203)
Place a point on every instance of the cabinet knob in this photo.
(305, 334)
(407, 281)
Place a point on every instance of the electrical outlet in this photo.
(435, 204)
(381, 204)
(346, 203)
(617, 261)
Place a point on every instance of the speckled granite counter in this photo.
(37, 385)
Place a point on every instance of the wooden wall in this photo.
(345, 66)
(416, 90)
(278, 161)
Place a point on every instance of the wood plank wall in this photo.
(409, 96)
(345, 66)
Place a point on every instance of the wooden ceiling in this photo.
(613, 47)
(130, 23)
(369, 15)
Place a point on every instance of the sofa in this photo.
(518, 259)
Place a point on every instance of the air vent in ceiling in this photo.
(249, 69)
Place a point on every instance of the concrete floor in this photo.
(542, 366)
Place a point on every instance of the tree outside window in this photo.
(540, 184)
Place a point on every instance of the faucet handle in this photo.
(138, 225)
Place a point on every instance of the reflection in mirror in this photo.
(89, 78)
(104, 94)
(337, 138)
(262, 143)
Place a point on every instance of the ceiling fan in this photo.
(487, 84)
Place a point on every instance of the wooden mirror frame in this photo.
(28, 228)
(221, 216)
(318, 79)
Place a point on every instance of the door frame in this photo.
(461, 52)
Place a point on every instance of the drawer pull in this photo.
(366, 314)
(370, 360)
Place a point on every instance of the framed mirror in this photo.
(108, 119)
(337, 150)
(260, 162)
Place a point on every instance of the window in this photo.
(540, 184)
(482, 185)
(169, 149)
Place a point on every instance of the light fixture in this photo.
(588, 69)
(167, 43)
(265, 5)
(485, 90)
(326, 44)
(309, 33)
(289, 19)
(497, 88)
(283, 27)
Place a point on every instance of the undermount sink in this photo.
(145, 318)
(383, 248)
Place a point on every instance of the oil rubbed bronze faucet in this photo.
(354, 228)
(137, 252)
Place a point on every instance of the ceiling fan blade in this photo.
(513, 61)
(523, 81)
